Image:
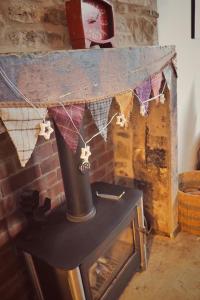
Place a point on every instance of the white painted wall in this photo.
(174, 27)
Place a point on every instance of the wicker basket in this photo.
(189, 202)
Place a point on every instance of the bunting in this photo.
(125, 102)
(100, 111)
(64, 118)
(23, 125)
(156, 80)
(143, 92)
(167, 71)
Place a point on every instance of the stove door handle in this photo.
(110, 197)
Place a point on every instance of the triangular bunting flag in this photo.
(174, 63)
(156, 80)
(143, 92)
(125, 102)
(23, 125)
(167, 71)
(100, 112)
(64, 119)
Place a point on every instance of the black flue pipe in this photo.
(77, 187)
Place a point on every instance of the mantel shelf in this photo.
(87, 75)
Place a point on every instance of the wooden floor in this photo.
(173, 271)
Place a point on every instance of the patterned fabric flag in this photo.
(100, 112)
(63, 119)
(23, 125)
(143, 92)
(167, 71)
(156, 80)
(125, 102)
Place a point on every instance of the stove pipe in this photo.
(77, 187)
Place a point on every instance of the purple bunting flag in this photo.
(143, 92)
(65, 125)
(100, 111)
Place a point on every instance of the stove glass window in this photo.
(106, 267)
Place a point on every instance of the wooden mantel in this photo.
(84, 74)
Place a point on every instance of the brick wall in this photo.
(29, 25)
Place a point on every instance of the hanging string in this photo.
(78, 132)
(86, 150)
(151, 99)
(18, 92)
(155, 97)
(100, 131)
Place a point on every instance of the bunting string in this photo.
(155, 97)
(16, 91)
(78, 132)
(70, 117)
(19, 92)
(85, 151)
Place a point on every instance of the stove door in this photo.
(101, 274)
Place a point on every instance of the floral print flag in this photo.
(64, 119)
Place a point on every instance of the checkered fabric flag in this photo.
(100, 111)
(23, 125)
(65, 125)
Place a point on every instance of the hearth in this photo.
(89, 260)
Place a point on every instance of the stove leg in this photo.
(34, 277)
(142, 235)
(76, 285)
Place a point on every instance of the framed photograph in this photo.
(195, 19)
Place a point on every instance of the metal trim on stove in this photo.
(83, 218)
(33, 275)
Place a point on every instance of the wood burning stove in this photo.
(89, 247)
(91, 260)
